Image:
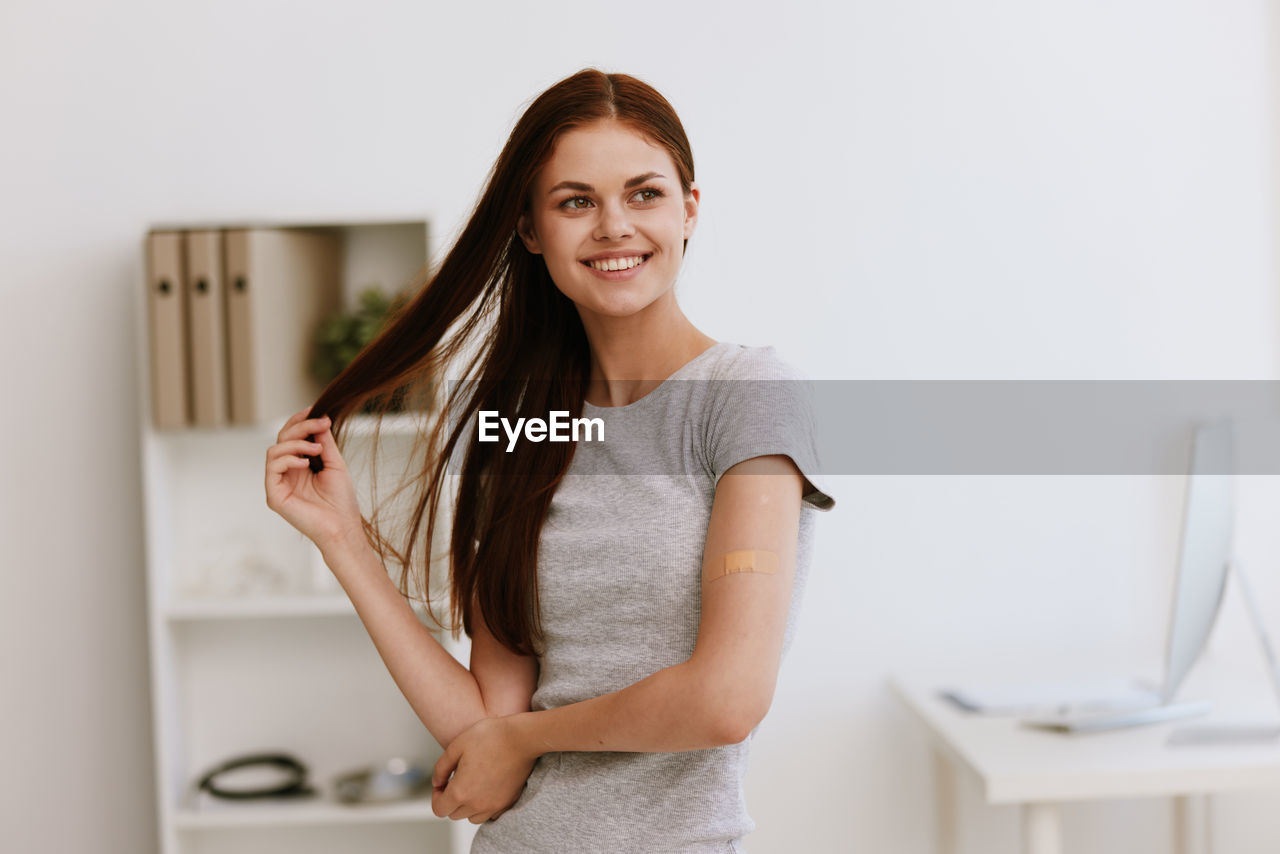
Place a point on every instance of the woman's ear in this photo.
(691, 200)
(524, 228)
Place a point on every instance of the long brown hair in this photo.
(533, 358)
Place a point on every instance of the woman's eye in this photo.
(648, 194)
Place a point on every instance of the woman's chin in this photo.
(621, 305)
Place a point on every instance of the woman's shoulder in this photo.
(745, 362)
(765, 408)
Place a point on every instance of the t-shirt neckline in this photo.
(679, 372)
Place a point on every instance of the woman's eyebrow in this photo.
(587, 188)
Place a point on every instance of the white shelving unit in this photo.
(254, 647)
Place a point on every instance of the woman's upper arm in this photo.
(506, 680)
(744, 611)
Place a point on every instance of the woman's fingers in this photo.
(329, 453)
(471, 812)
(303, 428)
(437, 802)
(443, 768)
(322, 506)
(282, 464)
(297, 447)
(288, 455)
(281, 458)
(296, 429)
(293, 419)
(278, 488)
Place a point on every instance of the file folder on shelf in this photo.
(206, 328)
(167, 319)
(280, 284)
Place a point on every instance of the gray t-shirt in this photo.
(620, 591)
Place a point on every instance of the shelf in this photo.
(267, 607)
(253, 645)
(219, 815)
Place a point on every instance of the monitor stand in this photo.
(1239, 733)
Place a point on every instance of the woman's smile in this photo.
(618, 269)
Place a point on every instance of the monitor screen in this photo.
(1204, 553)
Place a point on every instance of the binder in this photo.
(281, 283)
(206, 328)
(166, 319)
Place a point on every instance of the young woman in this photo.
(628, 596)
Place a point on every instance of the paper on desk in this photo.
(1052, 696)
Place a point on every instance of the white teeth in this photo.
(617, 263)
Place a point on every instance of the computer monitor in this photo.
(1205, 558)
(1204, 553)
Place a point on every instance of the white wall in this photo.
(995, 189)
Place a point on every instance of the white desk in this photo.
(1040, 769)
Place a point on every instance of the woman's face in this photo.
(607, 198)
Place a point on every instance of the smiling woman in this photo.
(585, 198)
(629, 602)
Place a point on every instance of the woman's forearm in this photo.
(676, 708)
(442, 692)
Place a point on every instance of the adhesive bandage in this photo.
(745, 560)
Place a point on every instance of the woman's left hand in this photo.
(489, 767)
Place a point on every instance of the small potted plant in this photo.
(344, 334)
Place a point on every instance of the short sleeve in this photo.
(761, 406)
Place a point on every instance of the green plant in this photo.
(340, 337)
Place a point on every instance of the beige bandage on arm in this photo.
(744, 560)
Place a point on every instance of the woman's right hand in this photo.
(322, 506)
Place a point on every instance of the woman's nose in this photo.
(614, 223)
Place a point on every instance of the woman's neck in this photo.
(631, 359)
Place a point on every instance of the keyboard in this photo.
(1097, 721)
